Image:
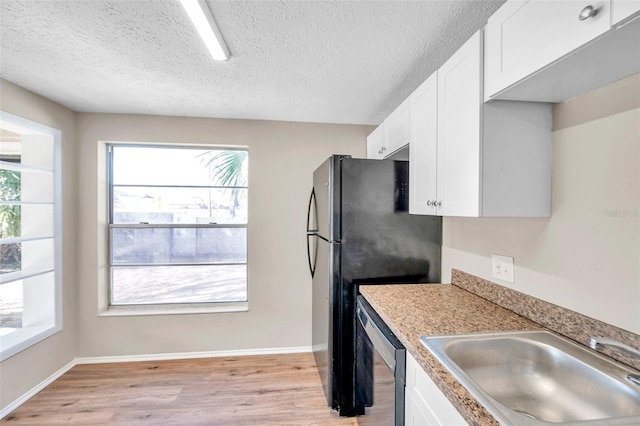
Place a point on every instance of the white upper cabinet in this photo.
(551, 51)
(523, 36)
(391, 135)
(459, 113)
(423, 148)
(622, 10)
(396, 128)
(375, 143)
(492, 159)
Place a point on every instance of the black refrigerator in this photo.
(359, 231)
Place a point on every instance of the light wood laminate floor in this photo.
(251, 390)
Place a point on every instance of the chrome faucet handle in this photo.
(599, 343)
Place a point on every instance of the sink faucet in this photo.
(599, 343)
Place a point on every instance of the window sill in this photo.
(126, 311)
(24, 338)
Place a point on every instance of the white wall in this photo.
(586, 256)
(282, 157)
(21, 372)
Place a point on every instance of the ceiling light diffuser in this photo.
(201, 17)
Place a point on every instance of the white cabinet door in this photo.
(375, 143)
(481, 152)
(414, 414)
(623, 9)
(396, 129)
(459, 131)
(425, 404)
(423, 148)
(524, 36)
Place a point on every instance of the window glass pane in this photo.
(183, 186)
(10, 185)
(179, 205)
(10, 221)
(178, 166)
(11, 307)
(178, 284)
(10, 258)
(10, 146)
(179, 245)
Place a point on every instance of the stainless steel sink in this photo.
(537, 378)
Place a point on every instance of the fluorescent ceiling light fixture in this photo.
(201, 17)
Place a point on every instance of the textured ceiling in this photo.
(317, 61)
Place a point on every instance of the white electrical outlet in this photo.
(502, 267)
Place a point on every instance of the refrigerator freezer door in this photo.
(326, 185)
(380, 239)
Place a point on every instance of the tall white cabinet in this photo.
(459, 131)
(491, 159)
(423, 161)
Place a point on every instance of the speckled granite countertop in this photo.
(470, 305)
(414, 310)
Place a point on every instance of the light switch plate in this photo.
(502, 267)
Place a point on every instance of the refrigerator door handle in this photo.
(311, 233)
(312, 264)
(312, 205)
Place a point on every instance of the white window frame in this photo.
(27, 336)
(160, 308)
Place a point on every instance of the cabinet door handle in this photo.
(429, 203)
(437, 203)
(587, 13)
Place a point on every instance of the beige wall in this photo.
(282, 157)
(21, 372)
(586, 256)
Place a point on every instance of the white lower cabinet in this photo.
(425, 404)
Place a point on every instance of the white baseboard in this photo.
(150, 357)
(28, 395)
(191, 355)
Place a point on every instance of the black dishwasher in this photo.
(380, 370)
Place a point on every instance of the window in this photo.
(177, 225)
(30, 229)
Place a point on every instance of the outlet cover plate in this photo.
(502, 267)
